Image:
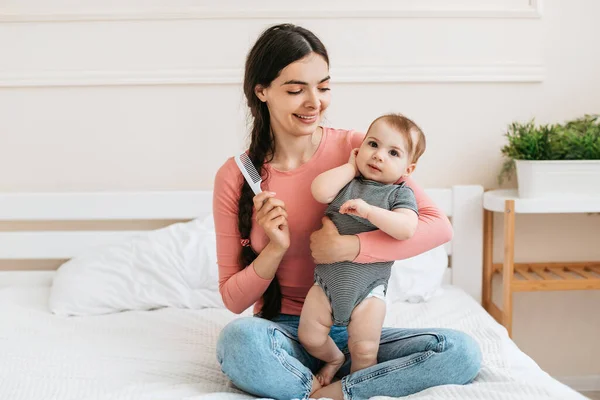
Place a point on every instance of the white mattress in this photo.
(170, 353)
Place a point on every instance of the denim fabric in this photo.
(265, 358)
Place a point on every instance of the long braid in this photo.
(276, 48)
(261, 147)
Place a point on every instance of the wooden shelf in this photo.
(529, 277)
(495, 200)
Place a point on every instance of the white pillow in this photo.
(173, 266)
(419, 278)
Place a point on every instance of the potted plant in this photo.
(555, 160)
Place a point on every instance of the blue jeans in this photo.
(265, 358)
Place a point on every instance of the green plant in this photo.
(577, 139)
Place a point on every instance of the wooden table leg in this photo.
(488, 247)
(508, 267)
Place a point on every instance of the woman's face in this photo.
(298, 97)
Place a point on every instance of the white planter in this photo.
(558, 178)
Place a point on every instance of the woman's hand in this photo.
(328, 246)
(357, 207)
(272, 217)
(352, 160)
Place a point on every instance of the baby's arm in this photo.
(329, 183)
(400, 223)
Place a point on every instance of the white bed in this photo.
(170, 353)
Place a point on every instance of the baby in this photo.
(363, 196)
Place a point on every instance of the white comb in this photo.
(249, 171)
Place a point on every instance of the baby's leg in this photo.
(313, 332)
(364, 332)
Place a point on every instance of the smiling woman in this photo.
(268, 244)
(296, 101)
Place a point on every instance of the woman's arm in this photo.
(240, 286)
(399, 223)
(433, 230)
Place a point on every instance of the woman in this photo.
(267, 245)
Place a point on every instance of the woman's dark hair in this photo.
(276, 48)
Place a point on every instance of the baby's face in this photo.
(383, 156)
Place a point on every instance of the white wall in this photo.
(146, 95)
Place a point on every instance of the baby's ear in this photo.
(410, 169)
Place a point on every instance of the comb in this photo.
(249, 171)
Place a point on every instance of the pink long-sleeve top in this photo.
(240, 286)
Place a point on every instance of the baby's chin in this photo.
(379, 179)
(372, 177)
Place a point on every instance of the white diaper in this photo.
(378, 292)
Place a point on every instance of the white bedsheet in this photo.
(170, 353)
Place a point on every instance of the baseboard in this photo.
(588, 383)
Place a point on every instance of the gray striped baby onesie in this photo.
(347, 283)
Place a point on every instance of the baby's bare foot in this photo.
(316, 386)
(326, 374)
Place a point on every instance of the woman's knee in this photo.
(255, 354)
(466, 353)
(241, 338)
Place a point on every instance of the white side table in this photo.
(529, 277)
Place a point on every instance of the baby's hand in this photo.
(352, 159)
(357, 207)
